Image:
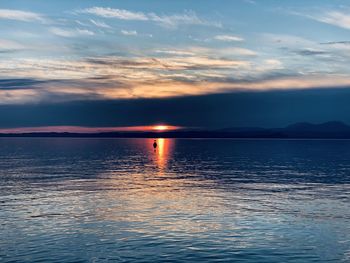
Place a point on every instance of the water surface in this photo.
(118, 200)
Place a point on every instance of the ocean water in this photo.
(118, 200)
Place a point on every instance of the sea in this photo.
(188, 200)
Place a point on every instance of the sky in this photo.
(208, 64)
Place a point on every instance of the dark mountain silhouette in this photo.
(332, 126)
(332, 129)
(327, 130)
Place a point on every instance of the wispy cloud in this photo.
(335, 18)
(282, 40)
(311, 52)
(175, 52)
(345, 42)
(85, 32)
(171, 21)
(332, 17)
(99, 23)
(187, 18)
(227, 52)
(341, 48)
(19, 15)
(228, 38)
(115, 13)
(70, 32)
(236, 51)
(129, 32)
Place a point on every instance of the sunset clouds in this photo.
(132, 51)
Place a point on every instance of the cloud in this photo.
(115, 13)
(99, 23)
(334, 18)
(177, 63)
(70, 32)
(311, 52)
(129, 32)
(105, 88)
(173, 21)
(170, 75)
(175, 52)
(290, 41)
(346, 42)
(227, 52)
(170, 21)
(270, 109)
(228, 38)
(9, 45)
(340, 47)
(331, 57)
(118, 69)
(62, 32)
(275, 63)
(19, 15)
(19, 83)
(108, 77)
(236, 51)
(85, 32)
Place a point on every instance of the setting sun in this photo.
(160, 128)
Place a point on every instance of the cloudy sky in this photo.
(186, 63)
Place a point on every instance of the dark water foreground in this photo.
(106, 200)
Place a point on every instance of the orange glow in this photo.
(80, 129)
(161, 128)
(161, 147)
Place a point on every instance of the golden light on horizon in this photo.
(160, 127)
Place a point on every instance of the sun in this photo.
(160, 127)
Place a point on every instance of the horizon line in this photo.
(88, 130)
(158, 128)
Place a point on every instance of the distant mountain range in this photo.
(328, 130)
(332, 129)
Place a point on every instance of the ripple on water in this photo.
(91, 200)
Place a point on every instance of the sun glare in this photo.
(160, 128)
